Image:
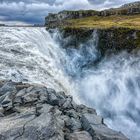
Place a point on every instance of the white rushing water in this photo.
(112, 87)
(31, 55)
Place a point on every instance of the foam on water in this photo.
(114, 89)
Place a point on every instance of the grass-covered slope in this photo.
(118, 29)
(123, 21)
(126, 16)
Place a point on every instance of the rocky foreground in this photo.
(33, 112)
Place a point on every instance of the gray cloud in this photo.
(34, 11)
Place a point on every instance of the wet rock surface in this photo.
(34, 112)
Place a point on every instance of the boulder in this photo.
(7, 87)
(84, 109)
(98, 130)
(30, 98)
(75, 125)
(18, 100)
(7, 102)
(72, 113)
(68, 103)
(82, 135)
(1, 112)
(21, 92)
(52, 99)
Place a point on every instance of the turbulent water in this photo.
(112, 86)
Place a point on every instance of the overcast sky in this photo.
(34, 11)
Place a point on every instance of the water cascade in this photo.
(111, 86)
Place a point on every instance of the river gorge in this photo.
(110, 84)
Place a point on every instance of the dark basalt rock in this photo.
(36, 112)
(109, 41)
(115, 40)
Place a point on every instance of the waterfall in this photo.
(31, 55)
(112, 86)
(113, 89)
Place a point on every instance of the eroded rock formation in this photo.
(34, 112)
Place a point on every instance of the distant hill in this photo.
(92, 18)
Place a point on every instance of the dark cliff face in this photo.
(110, 41)
(74, 37)
(113, 36)
(116, 40)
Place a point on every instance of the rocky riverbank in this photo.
(35, 112)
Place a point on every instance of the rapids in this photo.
(112, 86)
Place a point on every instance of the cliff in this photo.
(118, 29)
(110, 40)
(66, 18)
(35, 112)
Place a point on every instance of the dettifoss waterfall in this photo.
(112, 86)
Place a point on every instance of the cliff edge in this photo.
(118, 29)
(127, 16)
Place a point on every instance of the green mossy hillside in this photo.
(116, 21)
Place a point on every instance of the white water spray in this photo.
(112, 87)
(31, 55)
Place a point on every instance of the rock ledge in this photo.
(33, 112)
